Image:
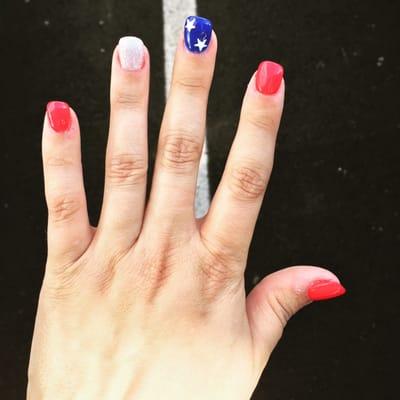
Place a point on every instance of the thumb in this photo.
(279, 296)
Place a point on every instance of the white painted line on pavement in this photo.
(174, 14)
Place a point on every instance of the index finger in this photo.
(230, 223)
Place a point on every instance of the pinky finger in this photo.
(69, 231)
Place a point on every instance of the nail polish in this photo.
(131, 53)
(59, 115)
(269, 77)
(197, 33)
(325, 290)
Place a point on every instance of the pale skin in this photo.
(151, 304)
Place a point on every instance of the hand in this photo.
(151, 303)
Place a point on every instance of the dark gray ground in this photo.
(334, 198)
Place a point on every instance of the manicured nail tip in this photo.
(59, 115)
(269, 77)
(197, 33)
(131, 53)
(325, 290)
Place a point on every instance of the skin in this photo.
(151, 303)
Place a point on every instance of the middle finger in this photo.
(183, 127)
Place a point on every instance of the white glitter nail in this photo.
(131, 53)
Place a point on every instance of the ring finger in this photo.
(126, 159)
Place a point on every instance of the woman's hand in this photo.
(151, 303)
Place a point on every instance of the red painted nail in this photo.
(269, 77)
(59, 115)
(325, 290)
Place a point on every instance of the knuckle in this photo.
(104, 277)
(130, 101)
(154, 272)
(63, 280)
(127, 169)
(279, 308)
(180, 151)
(218, 273)
(53, 161)
(191, 85)
(61, 284)
(220, 269)
(262, 120)
(63, 208)
(248, 182)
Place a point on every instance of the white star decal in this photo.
(190, 24)
(201, 44)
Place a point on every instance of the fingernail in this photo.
(59, 115)
(325, 290)
(131, 53)
(197, 33)
(269, 77)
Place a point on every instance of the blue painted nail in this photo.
(197, 33)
